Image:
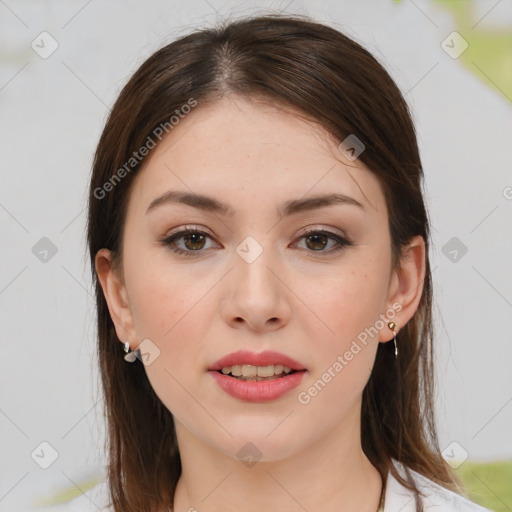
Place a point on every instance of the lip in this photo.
(258, 391)
(265, 358)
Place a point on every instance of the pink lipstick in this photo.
(257, 377)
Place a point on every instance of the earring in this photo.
(129, 354)
(392, 326)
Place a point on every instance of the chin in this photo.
(249, 451)
(259, 440)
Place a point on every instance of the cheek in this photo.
(171, 307)
(166, 300)
(347, 306)
(169, 311)
(346, 302)
(344, 356)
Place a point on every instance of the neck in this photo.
(331, 474)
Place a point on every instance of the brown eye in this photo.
(194, 241)
(316, 242)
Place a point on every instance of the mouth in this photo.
(257, 376)
(249, 372)
(256, 364)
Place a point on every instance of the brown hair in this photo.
(326, 76)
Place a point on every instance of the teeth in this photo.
(263, 371)
(248, 370)
(236, 370)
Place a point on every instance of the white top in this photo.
(398, 498)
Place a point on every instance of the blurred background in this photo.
(62, 65)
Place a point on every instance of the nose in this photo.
(256, 298)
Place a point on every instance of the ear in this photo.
(405, 287)
(114, 290)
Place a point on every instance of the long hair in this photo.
(331, 80)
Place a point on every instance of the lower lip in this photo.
(258, 391)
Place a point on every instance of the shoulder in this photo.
(435, 497)
(96, 499)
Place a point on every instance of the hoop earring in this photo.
(129, 354)
(392, 326)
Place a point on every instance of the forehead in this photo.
(252, 150)
(258, 127)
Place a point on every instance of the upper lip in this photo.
(265, 358)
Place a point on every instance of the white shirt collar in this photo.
(436, 498)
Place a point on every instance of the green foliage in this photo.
(489, 485)
(488, 55)
(67, 494)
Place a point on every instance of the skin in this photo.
(295, 298)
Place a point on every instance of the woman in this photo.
(259, 240)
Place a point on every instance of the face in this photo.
(266, 273)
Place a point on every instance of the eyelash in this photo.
(169, 240)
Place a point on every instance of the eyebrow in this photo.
(290, 207)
